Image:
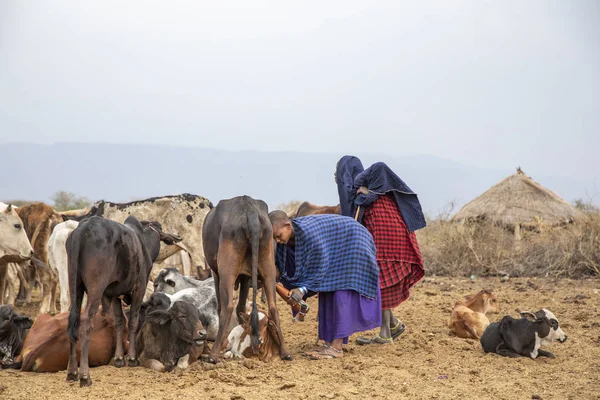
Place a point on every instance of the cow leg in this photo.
(63, 281)
(3, 281)
(225, 290)
(53, 289)
(217, 294)
(270, 290)
(119, 327)
(134, 319)
(86, 327)
(72, 366)
(242, 298)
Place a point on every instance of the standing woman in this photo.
(391, 211)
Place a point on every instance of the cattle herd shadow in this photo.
(426, 362)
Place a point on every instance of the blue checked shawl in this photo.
(333, 253)
(379, 179)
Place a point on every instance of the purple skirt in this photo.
(345, 312)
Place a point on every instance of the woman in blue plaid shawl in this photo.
(334, 256)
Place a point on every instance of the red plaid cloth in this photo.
(398, 254)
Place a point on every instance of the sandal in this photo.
(398, 330)
(373, 340)
(327, 354)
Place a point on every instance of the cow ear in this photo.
(528, 315)
(160, 317)
(169, 239)
(23, 322)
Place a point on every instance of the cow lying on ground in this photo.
(107, 260)
(238, 342)
(204, 299)
(46, 347)
(523, 337)
(57, 258)
(13, 330)
(468, 318)
(170, 281)
(171, 338)
(238, 243)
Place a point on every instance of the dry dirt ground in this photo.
(425, 363)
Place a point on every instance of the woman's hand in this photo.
(362, 190)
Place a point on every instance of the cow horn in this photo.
(528, 315)
(9, 208)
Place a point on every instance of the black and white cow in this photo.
(523, 337)
(170, 281)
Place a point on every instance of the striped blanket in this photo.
(333, 253)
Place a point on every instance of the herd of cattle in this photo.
(103, 258)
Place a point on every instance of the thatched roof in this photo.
(518, 199)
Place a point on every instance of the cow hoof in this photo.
(119, 362)
(72, 377)
(85, 381)
(287, 357)
(211, 360)
(133, 362)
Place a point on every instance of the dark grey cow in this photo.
(523, 337)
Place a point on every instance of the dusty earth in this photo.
(424, 363)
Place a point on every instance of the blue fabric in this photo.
(346, 170)
(332, 253)
(379, 179)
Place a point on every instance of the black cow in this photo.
(170, 337)
(523, 337)
(237, 238)
(13, 330)
(107, 260)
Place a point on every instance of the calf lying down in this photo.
(238, 343)
(523, 337)
(170, 338)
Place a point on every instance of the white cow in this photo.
(57, 259)
(14, 245)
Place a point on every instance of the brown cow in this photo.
(468, 318)
(307, 208)
(107, 260)
(238, 244)
(38, 221)
(46, 347)
(238, 341)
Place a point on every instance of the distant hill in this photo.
(125, 172)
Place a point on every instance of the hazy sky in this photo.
(495, 84)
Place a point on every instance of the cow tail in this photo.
(254, 233)
(73, 245)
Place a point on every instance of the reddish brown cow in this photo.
(46, 347)
(38, 221)
(238, 341)
(307, 208)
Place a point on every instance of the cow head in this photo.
(484, 301)
(178, 329)
(13, 239)
(169, 281)
(10, 319)
(167, 238)
(546, 325)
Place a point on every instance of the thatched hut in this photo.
(518, 201)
